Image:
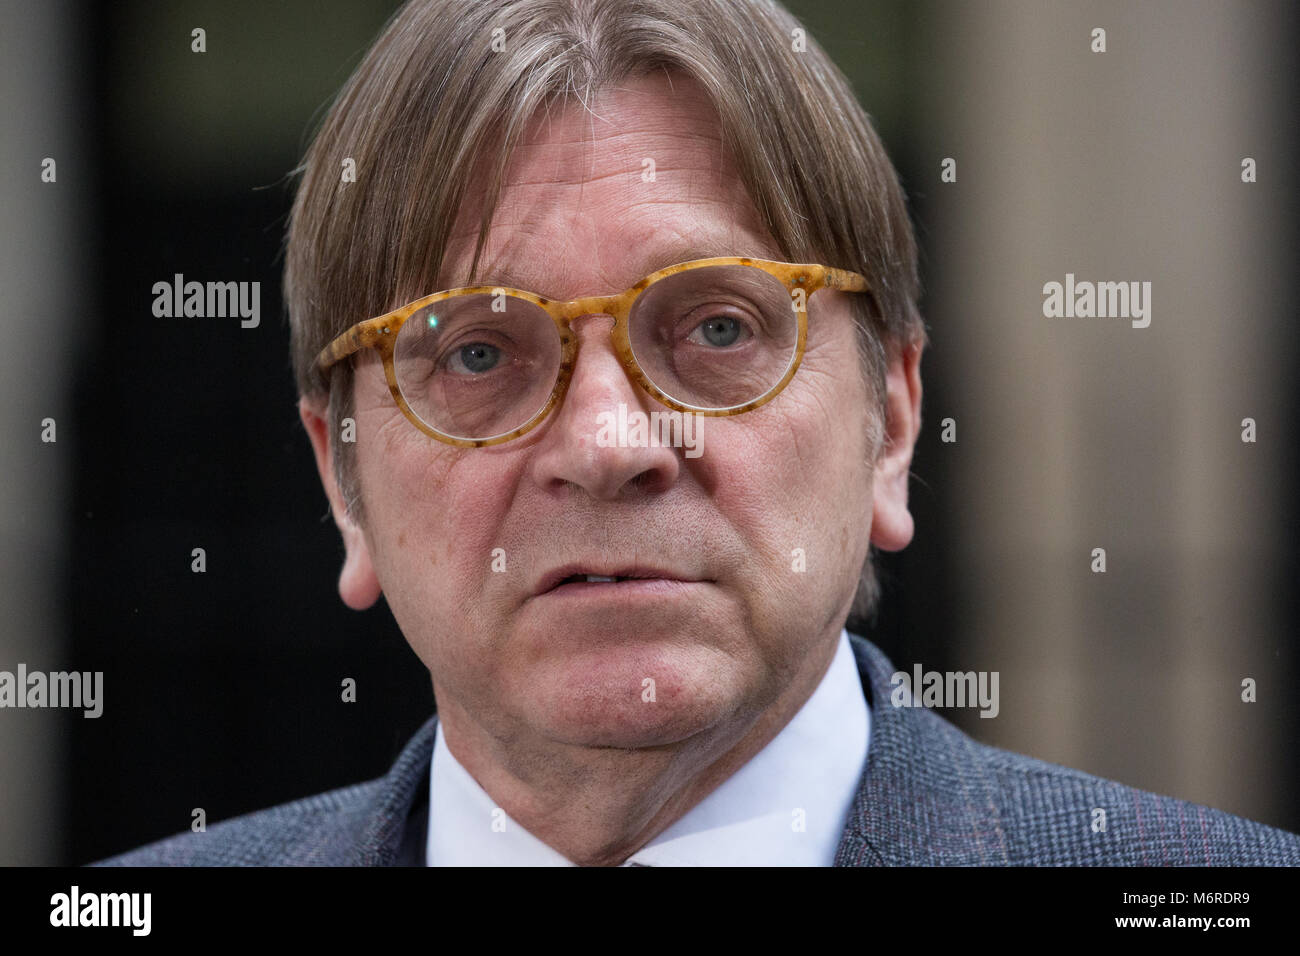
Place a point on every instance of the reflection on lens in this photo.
(717, 336)
(477, 366)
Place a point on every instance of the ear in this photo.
(358, 584)
(891, 522)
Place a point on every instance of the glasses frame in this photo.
(381, 333)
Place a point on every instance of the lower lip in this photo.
(631, 588)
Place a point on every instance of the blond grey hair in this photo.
(434, 95)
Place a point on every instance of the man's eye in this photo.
(475, 358)
(719, 331)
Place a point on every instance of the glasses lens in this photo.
(477, 366)
(715, 337)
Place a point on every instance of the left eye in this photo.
(720, 331)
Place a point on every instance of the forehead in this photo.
(597, 196)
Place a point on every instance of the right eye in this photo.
(474, 358)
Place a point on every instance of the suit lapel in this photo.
(927, 796)
(398, 818)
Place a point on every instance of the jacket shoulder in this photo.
(320, 830)
(933, 795)
(1045, 814)
(378, 823)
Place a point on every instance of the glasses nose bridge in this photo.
(618, 305)
(615, 305)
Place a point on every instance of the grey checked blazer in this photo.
(930, 795)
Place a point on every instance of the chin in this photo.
(634, 697)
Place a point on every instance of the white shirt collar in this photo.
(785, 807)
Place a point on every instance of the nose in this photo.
(583, 446)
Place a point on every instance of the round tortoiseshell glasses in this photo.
(486, 364)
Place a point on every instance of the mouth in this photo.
(573, 579)
(596, 579)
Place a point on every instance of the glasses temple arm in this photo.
(360, 336)
(846, 281)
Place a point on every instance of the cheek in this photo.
(434, 514)
(793, 478)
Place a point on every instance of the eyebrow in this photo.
(684, 251)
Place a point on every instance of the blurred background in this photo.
(222, 688)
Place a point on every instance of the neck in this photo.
(598, 805)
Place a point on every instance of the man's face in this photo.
(766, 531)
